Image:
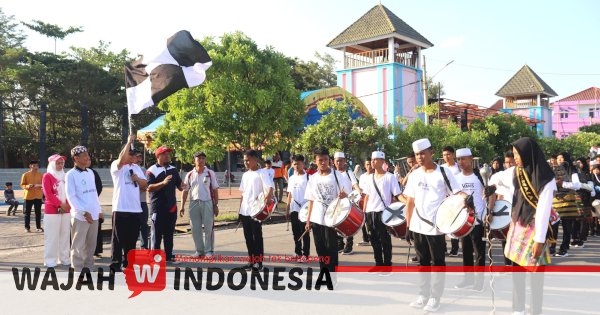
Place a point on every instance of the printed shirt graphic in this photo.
(388, 186)
(252, 184)
(428, 190)
(126, 195)
(322, 190)
(297, 187)
(471, 185)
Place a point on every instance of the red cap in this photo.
(161, 150)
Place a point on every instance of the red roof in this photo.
(592, 94)
(498, 105)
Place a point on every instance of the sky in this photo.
(488, 41)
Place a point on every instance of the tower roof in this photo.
(376, 24)
(525, 82)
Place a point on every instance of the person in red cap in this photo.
(163, 179)
(57, 216)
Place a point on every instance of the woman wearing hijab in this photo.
(581, 224)
(497, 165)
(595, 225)
(57, 219)
(567, 201)
(534, 187)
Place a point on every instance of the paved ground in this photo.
(278, 242)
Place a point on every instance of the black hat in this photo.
(8, 184)
(199, 153)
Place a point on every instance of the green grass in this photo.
(226, 217)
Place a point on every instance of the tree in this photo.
(52, 30)
(247, 101)
(503, 130)
(312, 75)
(337, 131)
(434, 89)
(595, 128)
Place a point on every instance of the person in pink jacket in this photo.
(57, 219)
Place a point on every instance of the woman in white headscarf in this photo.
(57, 219)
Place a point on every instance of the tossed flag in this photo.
(150, 79)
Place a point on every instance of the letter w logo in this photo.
(147, 272)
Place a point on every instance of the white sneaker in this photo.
(419, 303)
(432, 305)
(209, 255)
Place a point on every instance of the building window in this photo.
(592, 110)
(564, 115)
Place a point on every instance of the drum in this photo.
(596, 208)
(261, 211)
(500, 219)
(394, 219)
(355, 197)
(454, 218)
(303, 213)
(347, 219)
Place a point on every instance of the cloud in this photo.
(453, 42)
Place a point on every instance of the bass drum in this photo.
(454, 218)
(347, 218)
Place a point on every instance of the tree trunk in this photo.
(42, 134)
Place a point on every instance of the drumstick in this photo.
(287, 227)
(408, 254)
(301, 236)
(237, 227)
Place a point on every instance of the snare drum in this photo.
(347, 219)
(394, 219)
(355, 197)
(261, 211)
(303, 213)
(500, 219)
(454, 218)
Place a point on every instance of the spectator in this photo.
(278, 177)
(31, 182)
(9, 198)
(85, 210)
(57, 216)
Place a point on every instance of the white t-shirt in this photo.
(388, 187)
(297, 187)
(271, 172)
(349, 175)
(503, 182)
(454, 168)
(472, 185)
(428, 190)
(252, 184)
(362, 181)
(199, 184)
(126, 196)
(322, 190)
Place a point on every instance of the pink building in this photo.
(575, 111)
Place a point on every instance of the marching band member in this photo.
(323, 187)
(361, 183)
(450, 163)
(339, 162)
(473, 244)
(254, 182)
(427, 187)
(501, 183)
(379, 189)
(296, 190)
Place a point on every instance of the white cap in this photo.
(339, 155)
(377, 155)
(421, 145)
(463, 152)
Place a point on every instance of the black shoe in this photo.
(414, 259)
(453, 254)
(257, 267)
(116, 267)
(561, 253)
(39, 230)
(347, 251)
(27, 230)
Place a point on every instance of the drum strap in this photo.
(445, 178)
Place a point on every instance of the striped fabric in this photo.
(519, 247)
(568, 205)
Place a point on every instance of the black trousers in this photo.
(474, 247)
(301, 247)
(567, 225)
(99, 240)
(580, 230)
(254, 238)
(144, 228)
(381, 241)
(125, 230)
(163, 228)
(325, 242)
(555, 234)
(430, 250)
(340, 242)
(37, 204)
(537, 291)
(365, 234)
(14, 206)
